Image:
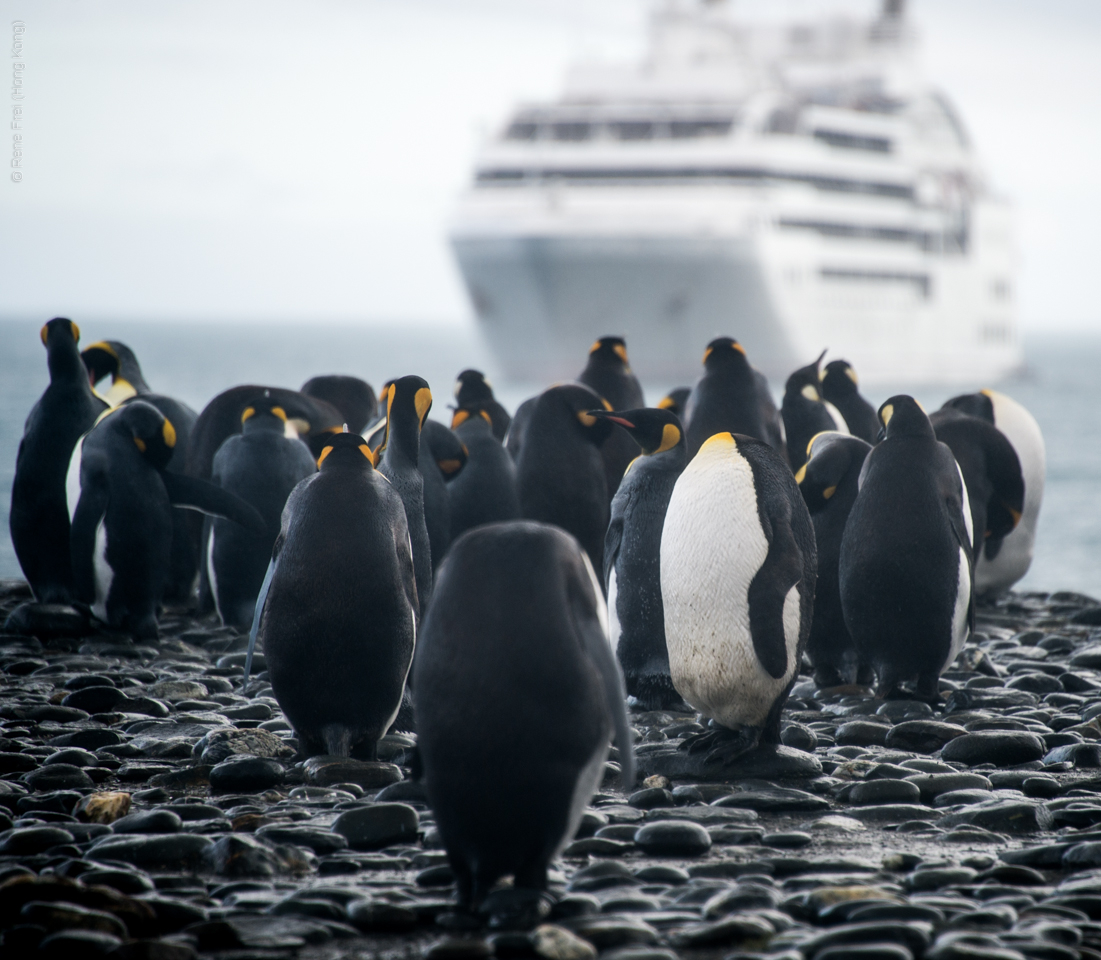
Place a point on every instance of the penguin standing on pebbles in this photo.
(337, 611)
(39, 518)
(1004, 560)
(408, 400)
(561, 475)
(632, 554)
(738, 573)
(731, 397)
(805, 413)
(905, 564)
(829, 484)
(114, 359)
(840, 387)
(518, 696)
(122, 499)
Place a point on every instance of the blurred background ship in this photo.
(797, 187)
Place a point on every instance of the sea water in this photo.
(195, 361)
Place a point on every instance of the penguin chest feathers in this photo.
(712, 548)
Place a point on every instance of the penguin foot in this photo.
(722, 746)
(516, 908)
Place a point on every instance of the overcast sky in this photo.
(273, 159)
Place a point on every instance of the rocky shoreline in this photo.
(152, 806)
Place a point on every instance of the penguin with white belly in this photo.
(738, 570)
(1004, 560)
(905, 565)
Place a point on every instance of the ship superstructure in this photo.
(797, 187)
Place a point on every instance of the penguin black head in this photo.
(263, 413)
(343, 451)
(838, 379)
(354, 398)
(116, 360)
(723, 352)
(60, 337)
(469, 412)
(903, 416)
(973, 404)
(805, 380)
(675, 401)
(654, 430)
(152, 432)
(830, 456)
(610, 351)
(471, 387)
(576, 400)
(408, 400)
(59, 327)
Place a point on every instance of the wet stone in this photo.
(246, 773)
(1006, 748)
(1003, 816)
(376, 826)
(172, 851)
(370, 775)
(884, 791)
(765, 797)
(932, 785)
(861, 733)
(922, 736)
(800, 737)
(95, 699)
(148, 821)
(320, 841)
(673, 838)
(58, 776)
(222, 743)
(240, 855)
(30, 840)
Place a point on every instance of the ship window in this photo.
(853, 141)
(859, 231)
(632, 129)
(683, 129)
(522, 130)
(922, 282)
(571, 130)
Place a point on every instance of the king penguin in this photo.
(560, 475)
(829, 484)
(805, 413)
(354, 398)
(485, 490)
(841, 388)
(121, 500)
(608, 374)
(39, 518)
(731, 397)
(991, 473)
(261, 465)
(336, 615)
(1003, 561)
(738, 568)
(905, 564)
(408, 400)
(518, 696)
(676, 401)
(473, 390)
(111, 358)
(632, 554)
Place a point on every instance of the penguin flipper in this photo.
(261, 599)
(782, 570)
(191, 493)
(594, 640)
(612, 541)
(90, 509)
(956, 503)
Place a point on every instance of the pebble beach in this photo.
(151, 806)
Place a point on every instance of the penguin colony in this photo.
(508, 586)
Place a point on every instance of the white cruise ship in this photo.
(797, 187)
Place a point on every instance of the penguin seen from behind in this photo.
(805, 413)
(518, 696)
(840, 387)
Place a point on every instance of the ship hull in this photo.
(542, 299)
